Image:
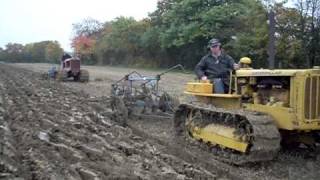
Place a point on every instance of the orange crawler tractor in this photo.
(70, 68)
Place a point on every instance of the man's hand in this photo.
(204, 78)
(236, 66)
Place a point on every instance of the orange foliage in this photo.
(83, 44)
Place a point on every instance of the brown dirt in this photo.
(66, 131)
(53, 132)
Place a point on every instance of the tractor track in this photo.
(289, 164)
(191, 155)
(266, 136)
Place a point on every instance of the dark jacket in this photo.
(214, 67)
(65, 56)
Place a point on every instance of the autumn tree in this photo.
(85, 35)
(83, 45)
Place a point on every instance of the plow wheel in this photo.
(168, 103)
(120, 110)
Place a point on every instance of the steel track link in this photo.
(265, 139)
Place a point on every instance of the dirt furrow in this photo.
(289, 164)
(55, 133)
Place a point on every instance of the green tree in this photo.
(298, 34)
(184, 28)
(53, 52)
(287, 41)
(178, 32)
(13, 52)
(309, 29)
(44, 51)
(121, 41)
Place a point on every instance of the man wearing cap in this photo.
(65, 56)
(216, 67)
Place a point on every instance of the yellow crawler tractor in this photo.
(263, 109)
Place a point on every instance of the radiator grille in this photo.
(312, 98)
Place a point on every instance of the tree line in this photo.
(44, 51)
(178, 32)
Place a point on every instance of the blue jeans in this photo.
(218, 86)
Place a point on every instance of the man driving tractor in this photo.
(216, 67)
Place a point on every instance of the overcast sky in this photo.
(26, 21)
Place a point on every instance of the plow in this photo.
(137, 95)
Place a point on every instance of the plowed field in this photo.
(54, 130)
